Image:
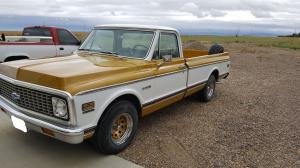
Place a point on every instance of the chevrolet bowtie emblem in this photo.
(15, 96)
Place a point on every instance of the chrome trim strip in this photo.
(163, 98)
(207, 64)
(129, 82)
(196, 84)
(173, 94)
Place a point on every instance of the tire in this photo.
(208, 92)
(117, 128)
(216, 49)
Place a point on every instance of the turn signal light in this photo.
(48, 132)
(88, 107)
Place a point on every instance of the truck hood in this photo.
(79, 72)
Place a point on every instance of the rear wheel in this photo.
(208, 92)
(117, 129)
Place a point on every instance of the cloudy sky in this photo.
(190, 16)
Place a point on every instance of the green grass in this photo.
(81, 35)
(283, 42)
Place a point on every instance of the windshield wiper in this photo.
(102, 52)
(83, 49)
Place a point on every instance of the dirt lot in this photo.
(254, 121)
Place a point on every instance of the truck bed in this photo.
(199, 57)
(190, 53)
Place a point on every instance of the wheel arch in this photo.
(129, 95)
(216, 73)
(15, 57)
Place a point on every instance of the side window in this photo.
(168, 45)
(66, 38)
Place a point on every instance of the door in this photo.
(169, 85)
(67, 42)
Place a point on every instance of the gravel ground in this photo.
(254, 121)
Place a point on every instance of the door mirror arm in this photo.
(165, 59)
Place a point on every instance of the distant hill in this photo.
(293, 35)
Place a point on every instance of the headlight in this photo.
(60, 108)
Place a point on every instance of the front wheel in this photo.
(208, 92)
(117, 129)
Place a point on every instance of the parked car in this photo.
(119, 74)
(38, 42)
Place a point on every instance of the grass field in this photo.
(11, 33)
(81, 35)
(282, 42)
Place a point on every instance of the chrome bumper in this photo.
(69, 135)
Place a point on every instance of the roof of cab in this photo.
(47, 27)
(136, 26)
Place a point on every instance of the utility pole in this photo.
(237, 35)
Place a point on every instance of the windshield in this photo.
(128, 43)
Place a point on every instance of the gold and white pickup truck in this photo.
(119, 74)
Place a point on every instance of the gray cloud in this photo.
(261, 14)
(166, 12)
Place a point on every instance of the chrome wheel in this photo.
(211, 89)
(121, 128)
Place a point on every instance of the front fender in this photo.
(102, 98)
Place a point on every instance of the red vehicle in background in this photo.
(38, 42)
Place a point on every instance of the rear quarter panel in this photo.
(200, 68)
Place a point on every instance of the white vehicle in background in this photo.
(38, 42)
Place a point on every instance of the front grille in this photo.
(26, 98)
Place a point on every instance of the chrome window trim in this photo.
(158, 34)
(68, 96)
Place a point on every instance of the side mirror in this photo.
(167, 58)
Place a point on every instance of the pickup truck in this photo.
(38, 42)
(119, 74)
